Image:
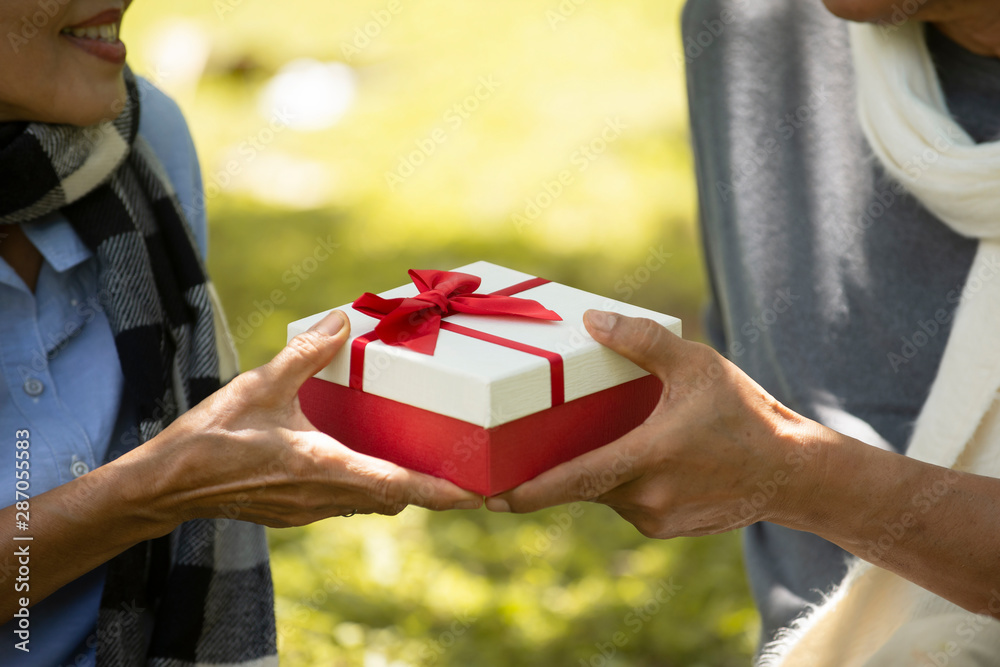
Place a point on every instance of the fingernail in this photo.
(331, 324)
(497, 505)
(467, 505)
(600, 320)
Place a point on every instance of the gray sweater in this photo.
(831, 286)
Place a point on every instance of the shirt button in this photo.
(79, 468)
(33, 387)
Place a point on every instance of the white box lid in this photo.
(483, 383)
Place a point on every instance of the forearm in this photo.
(247, 451)
(75, 528)
(933, 526)
(719, 455)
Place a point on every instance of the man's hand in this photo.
(699, 458)
(719, 453)
(249, 450)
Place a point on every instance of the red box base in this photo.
(485, 461)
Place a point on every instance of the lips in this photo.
(98, 36)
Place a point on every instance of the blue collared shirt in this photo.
(60, 380)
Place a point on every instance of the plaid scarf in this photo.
(206, 586)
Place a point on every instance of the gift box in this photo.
(484, 376)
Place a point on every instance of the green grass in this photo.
(467, 588)
(473, 588)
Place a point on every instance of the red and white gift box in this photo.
(501, 399)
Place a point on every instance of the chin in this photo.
(861, 11)
(92, 106)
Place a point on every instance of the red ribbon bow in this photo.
(414, 322)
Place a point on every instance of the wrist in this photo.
(146, 485)
(839, 487)
(818, 467)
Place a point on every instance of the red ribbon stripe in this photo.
(558, 385)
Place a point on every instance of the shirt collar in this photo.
(58, 242)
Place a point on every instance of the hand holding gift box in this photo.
(716, 454)
(485, 385)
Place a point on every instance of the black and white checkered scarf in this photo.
(207, 585)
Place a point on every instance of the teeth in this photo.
(104, 33)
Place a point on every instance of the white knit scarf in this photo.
(876, 618)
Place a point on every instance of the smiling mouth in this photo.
(98, 36)
(105, 33)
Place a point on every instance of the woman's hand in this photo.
(248, 453)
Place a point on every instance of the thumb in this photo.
(643, 342)
(306, 354)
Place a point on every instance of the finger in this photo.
(380, 485)
(392, 486)
(434, 493)
(305, 355)
(587, 477)
(644, 342)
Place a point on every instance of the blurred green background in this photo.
(550, 137)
